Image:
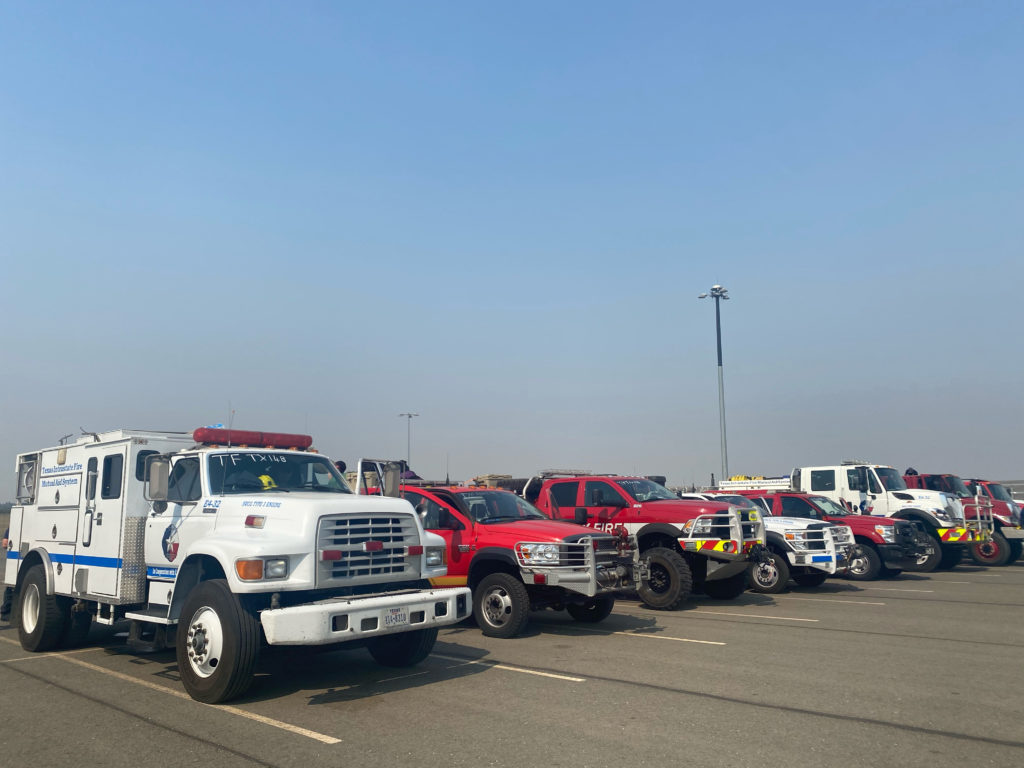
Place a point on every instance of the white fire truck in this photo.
(877, 489)
(233, 538)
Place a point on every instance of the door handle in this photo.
(87, 534)
(99, 518)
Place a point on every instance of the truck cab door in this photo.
(99, 553)
(603, 504)
(185, 517)
(378, 477)
(440, 518)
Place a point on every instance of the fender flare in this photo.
(668, 530)
(37, 555)
(189, 575)
(775, 540)
(505, 559)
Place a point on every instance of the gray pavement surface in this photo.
(921, 670)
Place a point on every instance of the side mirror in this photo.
(158, 470)
(581, 516)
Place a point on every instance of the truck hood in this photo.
(777, 524)
(534, 530)
(681, 510)
(861, 522)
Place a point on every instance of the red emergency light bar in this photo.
(251, 439)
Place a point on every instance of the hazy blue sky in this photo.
(500, 215)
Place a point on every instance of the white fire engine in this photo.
(232, 538)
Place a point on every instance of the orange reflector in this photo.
(249, 570)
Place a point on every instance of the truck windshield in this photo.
(640, 489)
(891, 479)
(829, 507)
(498, 506)
(273, 472)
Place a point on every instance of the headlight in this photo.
(258, 569)
(275, 569)
(697, 527)
(538, 554)
(887, 532)
(943, 514)
(435, 555)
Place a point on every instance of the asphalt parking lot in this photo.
(923, 670)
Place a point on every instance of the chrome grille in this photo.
(348, 533)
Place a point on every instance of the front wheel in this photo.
(592, 611)
(931, 556)
(403, 649)
(218, 643)
(994, 552)
(769, 576)
(727, 589)
(669, 581)
(41, 617)
(865, 564)
(501, 605)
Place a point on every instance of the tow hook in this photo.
(759, 553)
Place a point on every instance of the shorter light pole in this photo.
(719, 293)
(408, 437)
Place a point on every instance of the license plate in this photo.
(396, 617)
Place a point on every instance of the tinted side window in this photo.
(599, 494)
(113, 469)
(564, 494)
(183, 484)
(90, 485)
(823, 480)
(792, 506)
(140, 464)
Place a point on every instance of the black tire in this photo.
(810, 579)
(76, 628)
(952, 555)
(1016, 549)
(995, 552)
(403, 649)
(217, 645)
(770, 576)
(727, 589)
(40, 617)
(501, 605)
(928, 562)
(865, 564)
(670, 581)
(593, 611)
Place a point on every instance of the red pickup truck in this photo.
(685, 545)
(885, 546)
(515, 559)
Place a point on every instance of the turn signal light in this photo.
(249, 570)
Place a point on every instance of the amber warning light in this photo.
(250, 439)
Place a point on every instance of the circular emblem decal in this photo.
(170, 543)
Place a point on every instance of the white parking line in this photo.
(887, 589)
(650, 636)
(827, 600)
(182, 695)
(508, 668)
(750, 616)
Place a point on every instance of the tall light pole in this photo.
(718, 293)
(408, 437)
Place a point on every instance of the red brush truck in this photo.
(885, 546)
(686, 545)
(515, 559)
